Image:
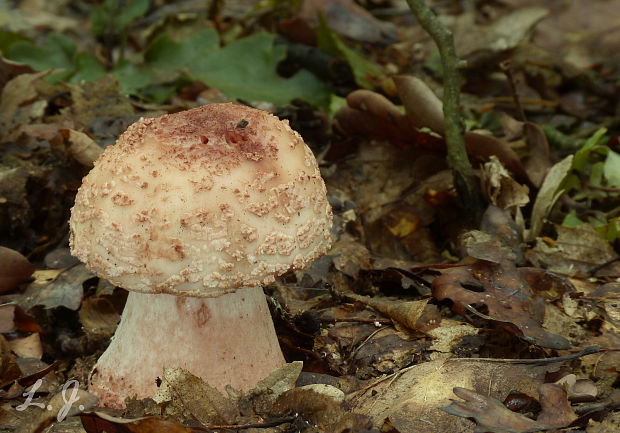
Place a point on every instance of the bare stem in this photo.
(464, 179)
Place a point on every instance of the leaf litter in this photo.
(414, 312)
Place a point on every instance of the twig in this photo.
(464, 180)
(273, 423)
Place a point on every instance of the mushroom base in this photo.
(229, 340)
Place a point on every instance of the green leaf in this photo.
(613, 229)
(583, 154)
(130, 77)
(165, 56)
(56, 53)
(88, 68)
(8, 38)
(114, 16)
(611, 170)
(244, 69)
(132, 10)
(572, 220)
(363, 69)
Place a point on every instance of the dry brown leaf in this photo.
(99, 316)
(83, 148)
(65, 290)
(490, 414)
(348, 19)
(576, 252)
(27, 347)
(13, 108)
(186, 394)
(506, 294)
(7, 314)
(556, 410)
(410, 399)
(406, 313)
(100, 422)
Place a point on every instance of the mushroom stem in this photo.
(229, 340)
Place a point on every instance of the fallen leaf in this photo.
(65, 290)
(100, 422)
(83, 148)
(506, 294)
(27, 347)
(549, 192)
(14, 109)
(406, 313)
(348, 19)
(410, 398)
(490, 414)
(187, 394)
(556, 410)
(576, 252)
(98, 315)
(503, 34)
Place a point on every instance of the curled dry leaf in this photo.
(27, 347)
(65, 290)
(506, 294)
(578, 390)
(100, 422)
(411, 398)
(14, 109)
(14, 269)
(83, 148)
(556, 411)
(348, 19)
(577, 251)
(99, 316)
(189, 395)
(490, 414)
(405, 313)
(500, 188)
(323, 406)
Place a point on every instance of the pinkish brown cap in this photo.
(201, 202)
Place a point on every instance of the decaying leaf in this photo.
(27, 347)
(100, 422)
(506, 294)
(98, 315)
(322, 405)
(577, 251)
(406, 313)
(411, 398)
(83, 148)
(65, 290)
(189, 395)
(15, 94)
(490, 414)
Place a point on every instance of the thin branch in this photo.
(464, 180)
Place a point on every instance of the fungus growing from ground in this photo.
(192, 213)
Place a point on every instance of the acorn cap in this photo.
(202, 202)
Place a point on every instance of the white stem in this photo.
(229, 340)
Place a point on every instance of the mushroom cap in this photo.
(202, 202)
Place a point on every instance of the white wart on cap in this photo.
(202, 202)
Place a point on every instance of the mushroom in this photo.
(192, 213)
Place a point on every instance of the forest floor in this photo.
(419, 319)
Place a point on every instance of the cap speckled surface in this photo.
(202, 202)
